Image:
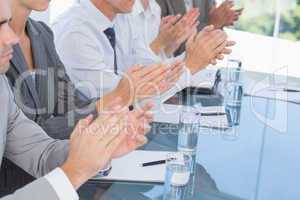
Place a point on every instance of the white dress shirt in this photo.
(86, 51)
(61, 185)
(145, 23)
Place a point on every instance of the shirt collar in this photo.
(139, 9)
(101, 20)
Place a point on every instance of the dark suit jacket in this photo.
(174, 7)
(51, 100)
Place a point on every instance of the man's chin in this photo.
(4, 68)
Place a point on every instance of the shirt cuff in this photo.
(62, 185)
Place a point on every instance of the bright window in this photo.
(268, 36)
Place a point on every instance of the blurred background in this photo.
(267, 34)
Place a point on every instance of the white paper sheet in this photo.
(128, 168)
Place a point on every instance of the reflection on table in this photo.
(256, 158)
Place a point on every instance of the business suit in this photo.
(174, 7)
(50, 100)
(27, 145)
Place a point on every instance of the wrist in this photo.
(105, 100)
(192, 66)
(123, 94)
(76, 178)
(156, 46)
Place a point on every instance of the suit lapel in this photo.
(19, 64)
(40, 63)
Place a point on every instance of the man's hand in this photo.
(183, 29)
(203, 48)
(224, 15)
(175, 30)
(136, 137)
(165, 35)
(143, 82)
(225, 51)
(163, 77)
(94, 143)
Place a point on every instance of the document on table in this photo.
(129, 169)
(169, 113)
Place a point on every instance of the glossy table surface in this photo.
(256, 159)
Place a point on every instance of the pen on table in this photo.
(212, 114)
(158, 162)
(285, 90)
(290, 90)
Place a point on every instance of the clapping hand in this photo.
(224, 15)
(204, 47)
(175, 30)
(94, 143)
(139, 82)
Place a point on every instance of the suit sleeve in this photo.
(53, 186)
(29, 147)
(37, 190)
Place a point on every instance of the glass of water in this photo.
(234, 71)
(234, 94)
(189, 130)
(178, 172)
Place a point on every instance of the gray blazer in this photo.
(50, 100)
(28, 146)
(174, 7)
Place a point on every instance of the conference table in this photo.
(256, 158)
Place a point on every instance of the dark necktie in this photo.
(111, 36)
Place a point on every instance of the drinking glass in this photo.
(234, 94)
(234, 71)
(189, 130)
(178, 172)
